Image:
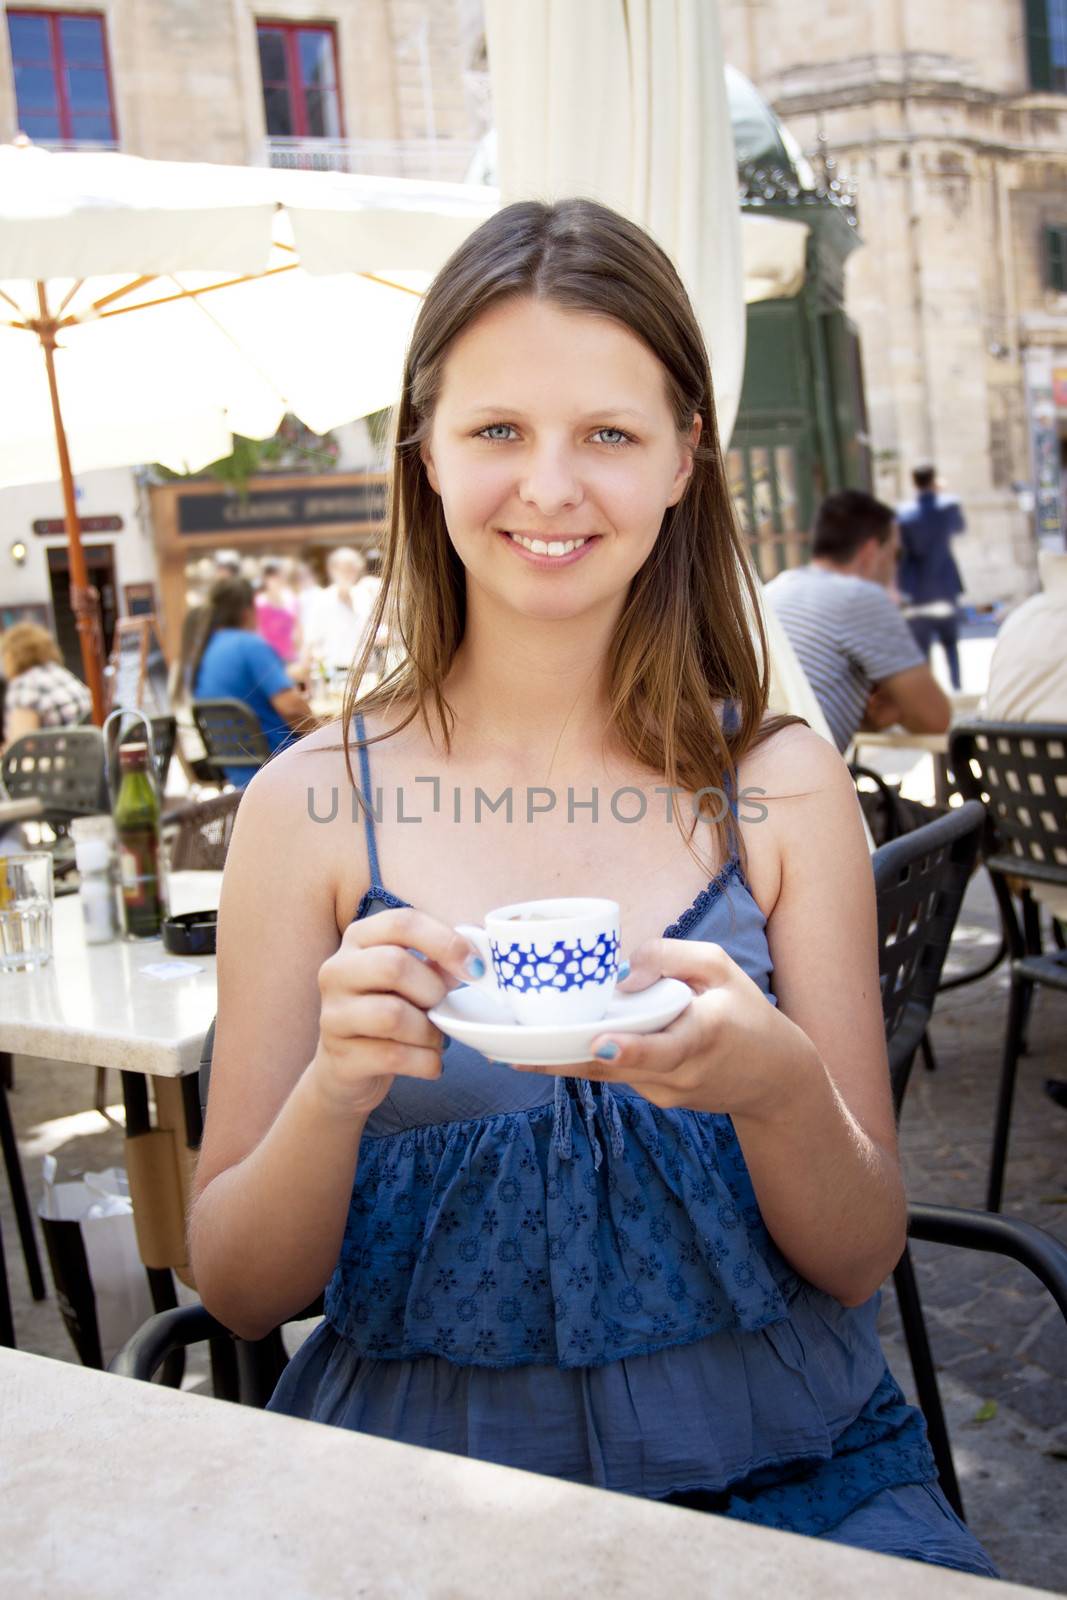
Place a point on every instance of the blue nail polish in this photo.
(624, 970)
(607, 1052)
(474, 967)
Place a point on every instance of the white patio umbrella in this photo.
(149, 310)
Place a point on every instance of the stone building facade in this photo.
(187, 83)
(954, 126)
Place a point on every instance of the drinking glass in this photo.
(25, 911)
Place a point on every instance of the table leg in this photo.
(160, 1279)
(19, 1198)
(7, 1321)
(942, 780)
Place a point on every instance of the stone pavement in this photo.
(999, 1341)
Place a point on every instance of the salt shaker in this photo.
(96, 889)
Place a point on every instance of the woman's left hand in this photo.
(730, 1051)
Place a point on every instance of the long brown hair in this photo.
(684, 642)
(228, 603)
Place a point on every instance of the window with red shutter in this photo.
(298, 65)
(62, 80)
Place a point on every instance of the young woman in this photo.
(230, 660)
(657, 1271)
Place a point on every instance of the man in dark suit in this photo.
(928, 575)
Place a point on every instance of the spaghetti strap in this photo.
(368, 804)
(731, 717)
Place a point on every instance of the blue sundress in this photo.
(559, 1276)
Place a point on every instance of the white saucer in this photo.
(475, 1018)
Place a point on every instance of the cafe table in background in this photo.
(131, 1006)
(964, 705)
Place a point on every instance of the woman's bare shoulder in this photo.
(792, 788)
(793, 762)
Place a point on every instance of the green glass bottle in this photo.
(137, 829)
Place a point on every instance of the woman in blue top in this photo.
(231, 661)
(657, 1271)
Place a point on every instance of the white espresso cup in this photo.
(550, 961)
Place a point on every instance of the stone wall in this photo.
(960, 167)
(186, 82)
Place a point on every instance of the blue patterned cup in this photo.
(550, 961)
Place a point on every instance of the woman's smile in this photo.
(540, 552)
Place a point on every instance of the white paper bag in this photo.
(101, 1283)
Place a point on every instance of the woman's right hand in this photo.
(375, 994)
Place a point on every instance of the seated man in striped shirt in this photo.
(850, 638)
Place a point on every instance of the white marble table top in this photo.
(111, 1488)
(93, 1004)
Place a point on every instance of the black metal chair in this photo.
(1044, 1255)
(920, 879)
(198, 834)
(231, 734)
(1020, 770)
(164, 739)
(61, 767)
(879, 802)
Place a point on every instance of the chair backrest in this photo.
(207, 1049)
(202, 833)
(919, 882)
(878, 803)
(1020, 769)
(61, 767)
(164, 740)
(231, 733)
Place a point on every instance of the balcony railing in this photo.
(443, 160)
(78, 144)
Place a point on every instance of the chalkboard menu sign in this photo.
(138, 668)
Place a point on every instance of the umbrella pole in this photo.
(83, 599)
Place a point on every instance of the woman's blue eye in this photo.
(500, 432)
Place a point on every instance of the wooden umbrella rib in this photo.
(68, 297)
(371, 277)
(195, 294)
(118, 294)
(387, 283)
(98, 306)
